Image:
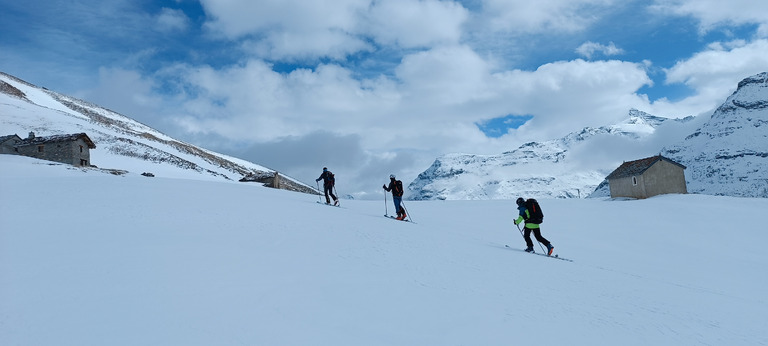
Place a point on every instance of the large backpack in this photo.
(398, 188)
(328, 178)
(534, 210)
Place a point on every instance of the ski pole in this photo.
(319, 194)
(336, 193)
(386, 211)
(402, 205)
(521, 233)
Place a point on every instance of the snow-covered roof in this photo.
(57, 138)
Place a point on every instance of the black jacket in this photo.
(328, 179)
(396, 186)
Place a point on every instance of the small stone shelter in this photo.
(72, 149)
(7, 144)
(651, 176)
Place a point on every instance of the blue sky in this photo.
(383, 86)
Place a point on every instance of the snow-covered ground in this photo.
(89, 258)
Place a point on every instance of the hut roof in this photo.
(57, 138)
(638, 167)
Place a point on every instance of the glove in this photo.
(515, 221)
(384, 187)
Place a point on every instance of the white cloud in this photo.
(290, 28)
(542, 15)
(433, 103)
(253, 102)
(127, 92)
(412, 23)
(589, 48)
(568, 95)
(290, 46)
(443, 76)
(237, 18)
(714, 73)
(711, 13)
(172, 20)
(295, 29)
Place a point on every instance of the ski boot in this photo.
(529, 249)
(550, 248)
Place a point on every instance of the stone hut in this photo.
(72, 149)
(647, 177)
(8, 144)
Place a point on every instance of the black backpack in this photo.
(398, 188)
(534, 211)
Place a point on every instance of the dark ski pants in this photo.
(329, 191)
(537, 234)
(398, 200)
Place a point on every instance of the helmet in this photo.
(520, 201)
(391, 176)
(325, 169)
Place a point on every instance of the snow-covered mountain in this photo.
(123, 145)
(728, 155)
(535, 169)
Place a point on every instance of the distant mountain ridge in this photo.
(122, 143)
(536, 169)
(727, 156)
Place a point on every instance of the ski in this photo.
(395, 218)
(540, 254)
(337, 205)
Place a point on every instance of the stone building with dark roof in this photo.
(651, 176)
(72, 149)
(7, 144)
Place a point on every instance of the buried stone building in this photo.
(73, 149)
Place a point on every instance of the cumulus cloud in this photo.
(712, 13)
(295, 29)
(715, 72)
(446, 75)
(290, 28)
(410, 24)
(589, 48)
(127, 92)
(568, 95)
(542, 15)
(170, 20)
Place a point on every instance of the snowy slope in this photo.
(536, 169)
(152, 263)
(122, 144)
(728, 155)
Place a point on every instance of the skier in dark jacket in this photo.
(328, 183)
(531, 226)
(396, 186)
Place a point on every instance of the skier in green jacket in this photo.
(531, 225)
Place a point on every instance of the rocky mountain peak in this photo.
(728, 155)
